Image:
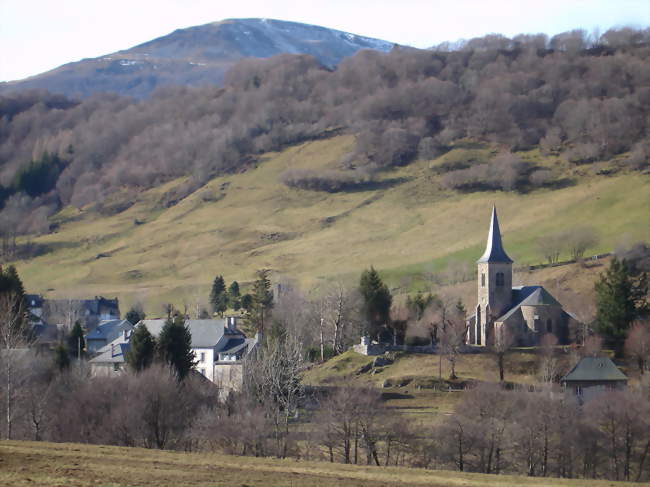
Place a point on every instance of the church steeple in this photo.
(494, 249)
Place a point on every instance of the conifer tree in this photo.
(219, 296)
(620, 299)
(142, 349)
(76, 342)
(261, 301)
(234, 296)
(376, 301)
(135, 314)
(175, 346)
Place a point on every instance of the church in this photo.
(525, 312)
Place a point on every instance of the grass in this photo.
(49, 465)
(251, 220)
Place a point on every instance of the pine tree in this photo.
(142, 349)
(218, 295)
(376, 301)
(620, 299)
(175, 346)
(261, 301)
(76, 343)
(135, 314)
(234, 296)
(61, 358)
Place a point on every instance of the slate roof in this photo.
(594, 369)
(205, 333)
(529, 296)
(494, 251)
(112, 353)
(109, 329)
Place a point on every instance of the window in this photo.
(483, 279)
(202, 371)
(500, 279)
(549, 325)
(116, 367)
(202, 356)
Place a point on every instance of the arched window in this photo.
(483, 279)
(549, 325)
(500, 279)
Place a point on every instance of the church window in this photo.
(549, 325)
(483, 279)
(500, 279)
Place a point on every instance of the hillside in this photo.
(50, 464)
(194, 56)
(407, 225)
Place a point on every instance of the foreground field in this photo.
(51, 464)
(164, 249)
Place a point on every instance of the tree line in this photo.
(582, 98)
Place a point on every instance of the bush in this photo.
(330, 181)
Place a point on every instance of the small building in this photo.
(592, 376)
(218, 345)
(106, 332)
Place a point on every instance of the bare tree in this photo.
(13, 352)
(503, 340)
(637, 344)
(272, 377)
(65, 312)
(579, 239)
(550, 246)
(548, 362)
(453, 331)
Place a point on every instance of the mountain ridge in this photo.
(196, 55)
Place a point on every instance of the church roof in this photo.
(494, 251)
(595, 369)
(529, 296)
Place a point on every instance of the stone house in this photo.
(105, 333)
(525, 312)
(592, 376)
(218, 345)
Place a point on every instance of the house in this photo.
(592, 376)
(34, 307)
(218, 345)
(525, 312)
(100, 309)
(106, 332)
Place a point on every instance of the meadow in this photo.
(407, 226)
(80, 465)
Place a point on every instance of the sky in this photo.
(39, 35)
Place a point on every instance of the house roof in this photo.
(494, 251)
(234, 345)
(529, 296)
(205, 333)
(594, 369)
(107, 329)
(112, 353)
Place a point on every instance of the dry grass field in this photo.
(408, 225)
(50, 464)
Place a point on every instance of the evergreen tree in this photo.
(247, 302)
(219, 296)
(11, 284)
(620, 299)
(234, 296)
(61, 358)
(376, 301)
(76, 343)
(142, 349)
(261, 301)
(135, 314)
(175, 346)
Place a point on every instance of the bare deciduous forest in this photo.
(582, 97)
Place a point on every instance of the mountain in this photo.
(196, 55)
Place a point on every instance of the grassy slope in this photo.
(48, 464)
(408, 227)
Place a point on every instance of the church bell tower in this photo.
(494, 283)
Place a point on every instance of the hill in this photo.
(194, 56)
(50, 464)
(163, 248)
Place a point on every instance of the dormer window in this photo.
(500, 279)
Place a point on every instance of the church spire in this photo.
(494, 249)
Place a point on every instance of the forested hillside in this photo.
(581, 99)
